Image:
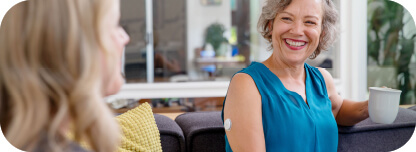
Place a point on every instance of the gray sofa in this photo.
(203, 132)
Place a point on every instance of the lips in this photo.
(295, 44)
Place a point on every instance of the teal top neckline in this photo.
(283, 86)
(287, 124)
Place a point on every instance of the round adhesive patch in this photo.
(227, 124)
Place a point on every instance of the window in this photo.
(391, 45)
(133, 20)
(194, 44)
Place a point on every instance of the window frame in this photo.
(349, 63)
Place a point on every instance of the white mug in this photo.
(383, 104)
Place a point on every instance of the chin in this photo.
(295, 58)
(114, 86)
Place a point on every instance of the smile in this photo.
(295, 44)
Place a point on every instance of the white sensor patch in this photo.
(227, 124)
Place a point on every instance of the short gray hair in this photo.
(330, 23)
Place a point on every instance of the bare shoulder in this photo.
(242, 96)
(242, 79)
(333, 95)
(329, 81)
(242, 85)
(327, 76)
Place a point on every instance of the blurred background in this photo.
(183, 53)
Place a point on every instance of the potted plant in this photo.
(389, 46)
(214, 36)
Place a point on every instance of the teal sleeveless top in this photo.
(289, 124)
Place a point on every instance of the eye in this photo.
(286, 18)
(310, 22)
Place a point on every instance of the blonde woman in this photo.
(58, 59)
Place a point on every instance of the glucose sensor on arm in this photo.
(227, 124)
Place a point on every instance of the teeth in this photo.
(295, 44)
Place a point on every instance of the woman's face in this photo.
(117, 38)
(296, 31)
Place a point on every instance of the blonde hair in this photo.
(50, 71)
(330, 23)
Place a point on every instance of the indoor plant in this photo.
(214, 35)
(391, 45)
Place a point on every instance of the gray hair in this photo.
(330, 23)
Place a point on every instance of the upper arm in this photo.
(336, 99)
(243, 108)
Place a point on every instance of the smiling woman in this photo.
(284, 104)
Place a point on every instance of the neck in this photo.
(285, 70)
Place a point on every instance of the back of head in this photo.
(50, 67)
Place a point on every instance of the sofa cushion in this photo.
(412, 108)
(369, 136)
(140, 132)
(171, 134)
(204, 131)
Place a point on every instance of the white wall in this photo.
(258, 44)
(199, 17)
(353, 53)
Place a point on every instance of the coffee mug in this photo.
(383, 104)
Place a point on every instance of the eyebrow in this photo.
(308, 16)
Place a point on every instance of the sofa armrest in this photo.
(204, 131)
(412, 108)
(171, 135)
(370, 136)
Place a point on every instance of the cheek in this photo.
(115, 85)
(117, 80)
(114, 79)
(279, 28)
(277, 33)
(314, 35)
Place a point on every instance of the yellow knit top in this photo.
(140, 132)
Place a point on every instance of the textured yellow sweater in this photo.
(140, 132)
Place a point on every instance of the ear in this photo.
(269, 25)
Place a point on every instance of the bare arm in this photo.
(352, 112)
(243, 108)
(346, 112)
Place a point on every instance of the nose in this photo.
(124, 36)
(297, 29)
